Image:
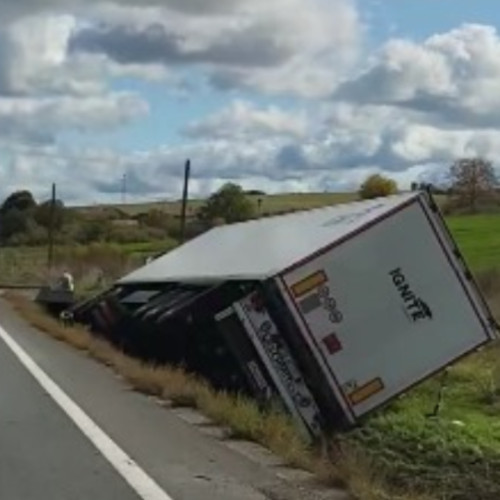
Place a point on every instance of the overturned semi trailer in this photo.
(329, 313)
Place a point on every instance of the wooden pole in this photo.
(185, 194)
(50, 256)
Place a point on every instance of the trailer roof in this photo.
(262, 248)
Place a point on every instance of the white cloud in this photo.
(39, 120)
(243, 120)
(44, 91)
(273, 163)
(452, 77)
(297, 46)
(10, 10)
(34, 60)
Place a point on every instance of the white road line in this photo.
(140, 482)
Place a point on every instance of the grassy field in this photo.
(269, 204)
(478, 236)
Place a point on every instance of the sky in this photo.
(276, 95)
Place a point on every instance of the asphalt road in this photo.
(44, 454)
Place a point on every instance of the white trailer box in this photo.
(377, 289)
(387, 304)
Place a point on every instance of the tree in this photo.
(473, 180)
(255, 192)
(229, 203)
(19, 200)
(376, 186)
(13, 222)
(43, 213)
(90, 231)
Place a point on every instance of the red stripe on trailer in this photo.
(332, 344)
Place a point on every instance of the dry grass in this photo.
(91, 265)
(241, 416)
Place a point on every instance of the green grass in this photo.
(455, 456)
(478, 237)
(145, 248)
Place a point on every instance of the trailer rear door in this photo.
(281, 367)
(387, 307)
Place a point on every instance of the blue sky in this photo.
(419, 19)
(281, 95)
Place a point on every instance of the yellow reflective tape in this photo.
(366, 391)
(309, 283)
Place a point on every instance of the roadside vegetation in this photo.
(409, 450)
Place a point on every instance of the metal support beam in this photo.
(185, 194)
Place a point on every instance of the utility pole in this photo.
(185, 194)
(50, 253)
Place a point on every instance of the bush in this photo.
(91, 231)
(154, 218)
(44, 212)
(377, 186)
(19, 200)
(32, 235)
(13, 223)
(229, 203)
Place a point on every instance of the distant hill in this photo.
(270, 204)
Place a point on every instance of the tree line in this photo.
(471, 186)
(25, 222)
